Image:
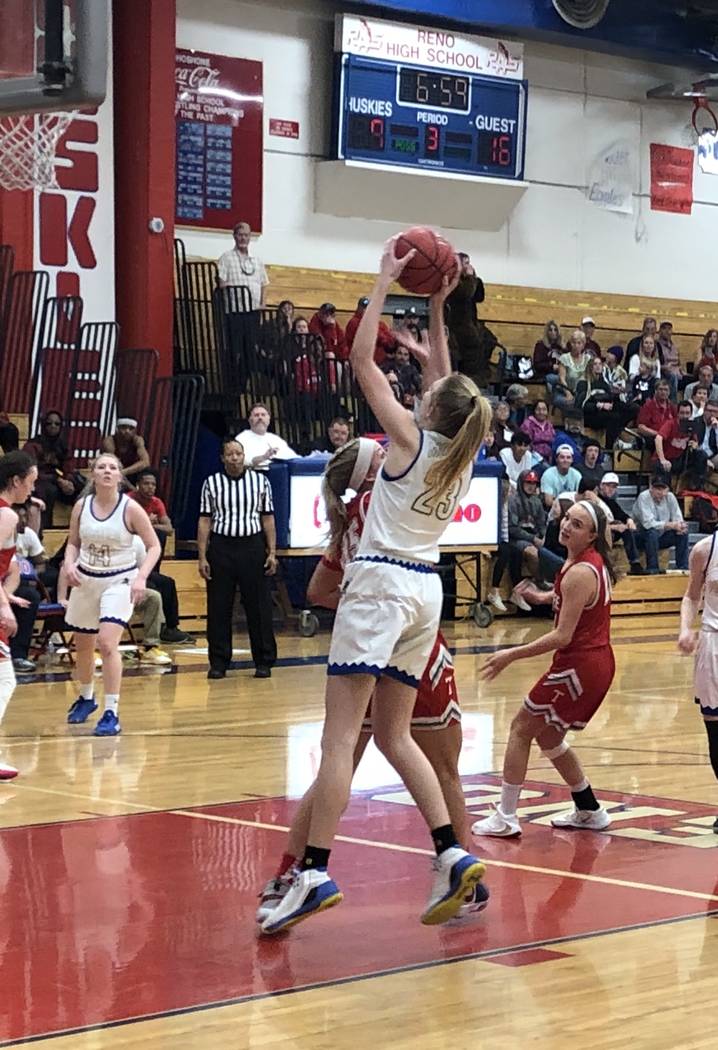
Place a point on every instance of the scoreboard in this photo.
(456, 105)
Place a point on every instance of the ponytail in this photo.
(335, 483)
(460, 413)
(602, 543)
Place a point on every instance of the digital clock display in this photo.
(411, 117)
(422, 87)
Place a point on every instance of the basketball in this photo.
(435, 258)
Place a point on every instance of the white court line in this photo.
(491, 863)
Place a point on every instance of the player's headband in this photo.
(587, 505)
(367, 448)
(126, 421)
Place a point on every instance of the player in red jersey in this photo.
(572, 690)
(17, 479)
(436, 719)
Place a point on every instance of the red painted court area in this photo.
(109, 920)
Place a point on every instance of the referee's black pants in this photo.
(239, 562)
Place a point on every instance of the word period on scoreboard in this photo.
(415, 97)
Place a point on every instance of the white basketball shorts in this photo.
(101, 598)
(705, 674)
(387, 620)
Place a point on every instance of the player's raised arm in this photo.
(394, 419)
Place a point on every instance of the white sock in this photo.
(87, 691)
(112, 702)
(578, 787)
(509, 798)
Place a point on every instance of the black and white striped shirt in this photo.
(235, 505)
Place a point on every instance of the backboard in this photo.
(53, 54)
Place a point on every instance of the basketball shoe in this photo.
(456, 872)
(499, 825)
(109, 725)
(81, 710)
(274, 893)
(311, 891)
(587, 819)
(474, 902)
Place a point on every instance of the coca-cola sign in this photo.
(218, 121)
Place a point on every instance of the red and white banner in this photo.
(74, 227)
(475, 522)
(423, 46)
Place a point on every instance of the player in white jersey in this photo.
(703, 583)
(101, 567)
(389, 612)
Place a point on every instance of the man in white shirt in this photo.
(660, 524)
(518, 457)
(238, 268)
(260, 446)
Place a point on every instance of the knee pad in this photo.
(556, 752)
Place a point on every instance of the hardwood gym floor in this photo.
(129, 869)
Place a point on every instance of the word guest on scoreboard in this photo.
(414, 97)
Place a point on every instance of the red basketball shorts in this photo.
(573, 688)
(437, 701)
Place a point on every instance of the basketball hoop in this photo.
(27, 149)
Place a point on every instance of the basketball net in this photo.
(27, 149)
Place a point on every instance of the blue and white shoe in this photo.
(81, 710)
(311, 891)
(456, 873)
(109, 725)
(474, 903)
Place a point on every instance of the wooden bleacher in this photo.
(516, 314)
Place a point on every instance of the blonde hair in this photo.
(335, 483)
(89, 489)
(461, 413)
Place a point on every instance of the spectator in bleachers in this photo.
(546, 353)
(614, 374)
(338, 433)
(709, 439)
(9, 434)
(698, 401)
(660, 524)
(705, 378)
(655, 412)
(527, 525)
(571, 368)
(707, 353)
(153, 617)
(623, 527)
(602, 409)
(324, 324)
(571, 434)
(129, 447)
(633, 348)
(502, 427)
(260, 446)
(678, 448)
(146, 495)
(540, 429)
(592, 468)
(284, 316)
(516, 398)
(641, 388)
(385, 338)
(670, 356)
(239, 268)
(588, 327)
(56, 478)
(648, 353)
(553, 553)
(563, 477)
(467, 335)
(407, 373)
(518, 458)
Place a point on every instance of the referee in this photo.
(237, 547)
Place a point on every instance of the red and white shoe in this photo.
(7, 772)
